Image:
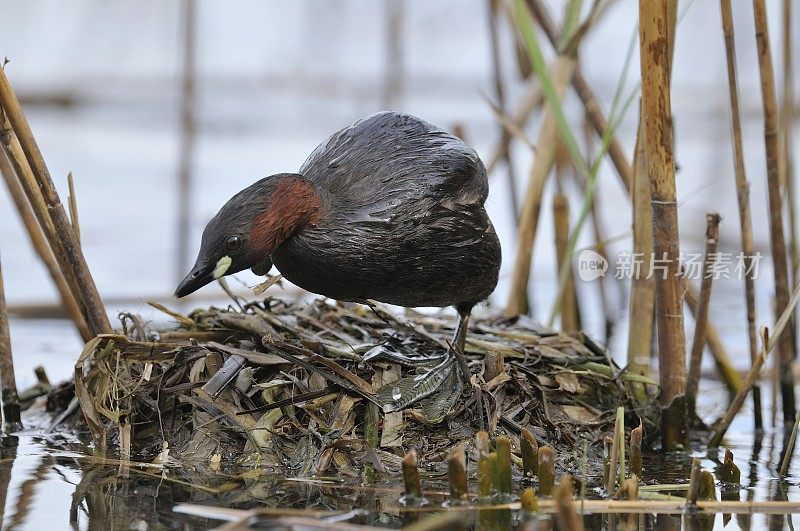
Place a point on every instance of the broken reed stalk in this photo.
(502, 481)
(546, 468)
(608, 450)
(411, 482)
(774, 189)
(457, 471)
(499, 92)
(637, 434)
(484, 464)
(655, 30)
(570, 320)
(742, 197)
(568, 518)
(694, 482)
(613, 461)
(528, 221)
(787, 455)
(63, 240)
(529, 449)
(188, 134)
(642, 298)
(699, 341)
(9, 400)
(39, 241)
(72, 201)
(730, 473)
(528, 500)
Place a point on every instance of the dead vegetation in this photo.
(320, 388)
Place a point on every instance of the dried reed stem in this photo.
(8, 383)
(411, 482)
(457, 471)
(738, 400)
(188, 133)
(570, 319)
(502, 481)
(72, 201)
(777, 238)
(637, 434)
(727, 372)
(547, 140)
(642, 299)
(742, 197)
(546, 470)
(694, 482)
(787, 134)
(789, 450)
(528, 501)
(499, 92)
(699, 341)
(530, 453)
(655, 30)
(63, 241)
(39, 241)
(730, 473)
(568, 518)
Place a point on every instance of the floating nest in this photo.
(323, 388)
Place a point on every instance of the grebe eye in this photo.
(233, 243)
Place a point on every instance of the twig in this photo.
(699, 341)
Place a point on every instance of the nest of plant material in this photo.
(322, 388)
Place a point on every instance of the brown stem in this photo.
(39, 242)
(655, 44)
(562, 69)
(63, 241)
(499, 92)
(699, 341)
(777, 238)
(8, 383)
(742, 196)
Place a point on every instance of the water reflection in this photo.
(54, 482)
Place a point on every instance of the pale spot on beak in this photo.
(222, 266)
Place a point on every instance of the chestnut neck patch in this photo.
(293, 204)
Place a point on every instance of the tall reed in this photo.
(62, 239)
(39, 242)
(777, 237)
(742, 197)
(8, 383)
(656, 31)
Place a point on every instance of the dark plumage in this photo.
(390, 208)
(403, 218)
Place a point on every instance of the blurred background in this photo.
(131, 96)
